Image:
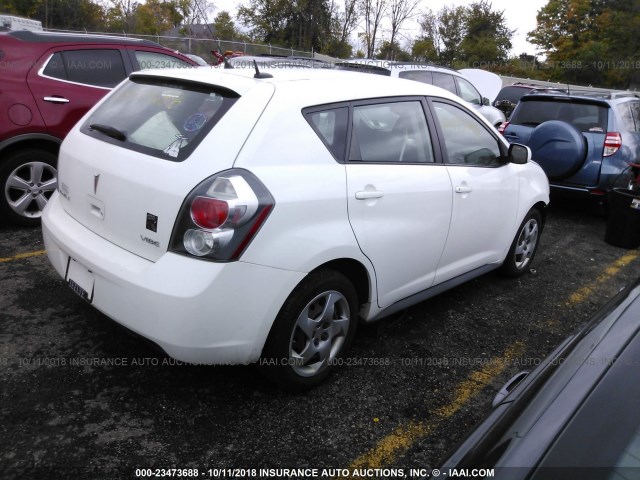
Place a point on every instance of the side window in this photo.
(468, 92)
(331, 127)
(417, 75)
(466, 140)
(100, 68)
(635, 111)
(390, 132)
(148, 60)
(624, 110)
(444, 80)
(55, 67)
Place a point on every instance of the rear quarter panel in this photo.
(19, 113)
(309, 224)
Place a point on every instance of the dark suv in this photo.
(48, 81)
(585, 144)
(509, 96)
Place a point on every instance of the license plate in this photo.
(80, 279)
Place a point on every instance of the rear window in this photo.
(169, 119)
(587, 117)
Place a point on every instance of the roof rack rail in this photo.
(625, 94)
(605, 95)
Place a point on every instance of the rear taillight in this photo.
(209, 212)
(503, 126)
(612, 143)
(221, 216)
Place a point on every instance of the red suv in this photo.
(48, 81)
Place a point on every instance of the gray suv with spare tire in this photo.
(584, 143)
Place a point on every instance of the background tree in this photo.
(487, 38)
(23, 8)
(348, 20)
(311, 25)
(393, 51)
(372, 12)
(267, 19)
(590, 41)
(426, 48)
(121, 15)
(224, 27)
(61, 14)
(302, 24)
(451, 32)
(342, 23)
(155, 17)
(399, 12)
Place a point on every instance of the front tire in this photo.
(524, 246)
(27, 180)
(312, 331)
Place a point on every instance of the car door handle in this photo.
(463, 189)
(368, 194)
(56, 99)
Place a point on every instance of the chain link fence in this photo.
(203, 46)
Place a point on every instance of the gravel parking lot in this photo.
(84, 399)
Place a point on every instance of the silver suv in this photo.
(451, 80)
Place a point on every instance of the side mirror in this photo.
(519, 154)
(485, 101)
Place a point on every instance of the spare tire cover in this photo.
(559, 148)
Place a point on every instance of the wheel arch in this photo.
(353, 270)
(357, 274)
(542, 208)
(23, 142)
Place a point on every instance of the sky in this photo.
(520, 15)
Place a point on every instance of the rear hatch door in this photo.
(588, 116)
(126, 168)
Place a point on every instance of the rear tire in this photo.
(314, 328)
(28, 178)
(524, 246)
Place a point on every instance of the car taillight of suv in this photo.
(612, 143)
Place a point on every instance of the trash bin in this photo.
(623, 224)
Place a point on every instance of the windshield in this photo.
(163, 118)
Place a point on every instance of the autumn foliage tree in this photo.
(590, 41)
(475, 35)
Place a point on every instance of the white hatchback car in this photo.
(232, 218)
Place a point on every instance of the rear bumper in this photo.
(592, 192)
(196, 311)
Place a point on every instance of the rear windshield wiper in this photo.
(108, 131)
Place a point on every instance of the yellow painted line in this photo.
(403, 437)
(22, 256)
(585, 292)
